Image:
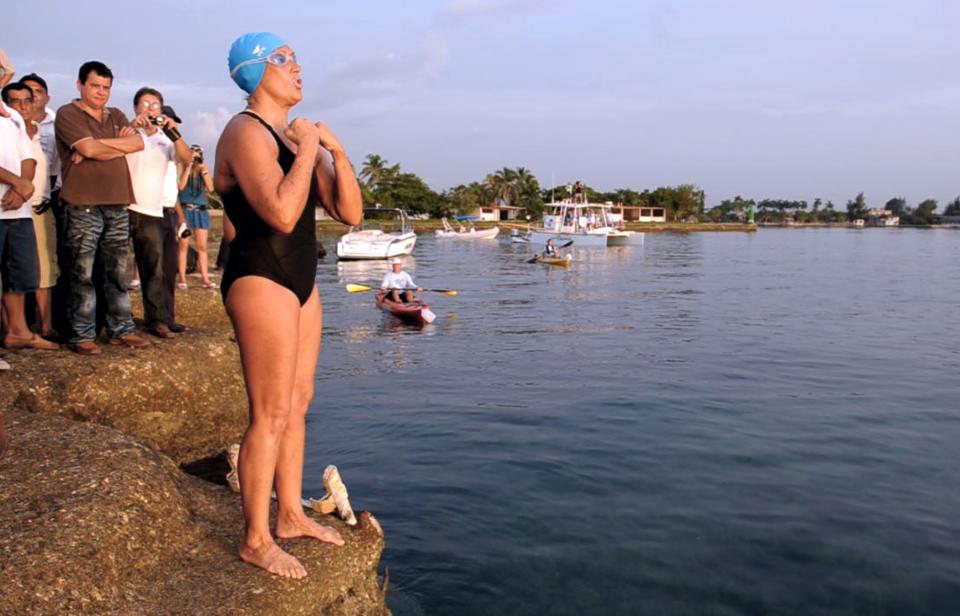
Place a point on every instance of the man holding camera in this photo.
(149, 170)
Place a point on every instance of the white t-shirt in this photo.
(397, 281)
(148, 171)
(49, 142)
(41, 179)
(15, 148)
(170, 187)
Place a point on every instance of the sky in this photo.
(785, 99)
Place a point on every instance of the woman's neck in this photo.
(272, 112)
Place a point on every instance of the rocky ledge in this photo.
(97, 514)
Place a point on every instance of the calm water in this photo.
(707, 423)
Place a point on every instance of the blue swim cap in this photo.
(247, 59)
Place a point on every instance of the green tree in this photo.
(923, 215)
(857, 207)
(953, 208)
(897, 206)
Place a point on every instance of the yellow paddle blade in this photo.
(451, 293)
(357, 288)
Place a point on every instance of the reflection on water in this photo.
(702, 423)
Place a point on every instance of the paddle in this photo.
(566, 244)
(359, 288)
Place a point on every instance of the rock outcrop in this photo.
(97, 515)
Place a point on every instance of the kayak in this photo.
(415, 312)
(561, 261)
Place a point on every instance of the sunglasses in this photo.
(276, 58)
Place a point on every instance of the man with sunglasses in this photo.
(148, 171)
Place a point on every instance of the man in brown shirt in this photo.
(93, 140)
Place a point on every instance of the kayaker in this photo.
(550, 250)
(398, 280)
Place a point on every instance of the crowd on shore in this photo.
(77, 186)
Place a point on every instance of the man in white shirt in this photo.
(48, 140)
(148, 172)
(18, 244)
(397, 280)
(44, 225)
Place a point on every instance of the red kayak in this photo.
(415, 312)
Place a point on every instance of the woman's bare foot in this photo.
(293, 525)
(269, 556)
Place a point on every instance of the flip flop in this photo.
(33, 342)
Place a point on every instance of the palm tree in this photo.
(502, 185)
(375, 170)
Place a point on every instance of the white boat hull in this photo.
(375, 245)
(483, 234)
(580, 240)
(584, 240)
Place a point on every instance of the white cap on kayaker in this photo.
(396, 261)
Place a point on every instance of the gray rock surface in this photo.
(96, 515)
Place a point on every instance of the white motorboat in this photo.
(383, 233)
(588, 224)
(466, 234)
(519, 238)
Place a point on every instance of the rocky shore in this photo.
(97, 512)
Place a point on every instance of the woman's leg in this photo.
(182, 261)
(201, 235)
(291, 520)
(266, 321)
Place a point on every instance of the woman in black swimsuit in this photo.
(271, 174)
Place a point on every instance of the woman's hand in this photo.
(302, 132)
(328, 140)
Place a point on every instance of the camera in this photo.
(183, 231)
(159, 120)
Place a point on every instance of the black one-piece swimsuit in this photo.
(289, 259)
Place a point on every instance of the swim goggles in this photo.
(276, 58)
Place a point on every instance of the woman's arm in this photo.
(337, 182)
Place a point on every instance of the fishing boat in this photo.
(587, 223)
(382, 234)
(415, 312)
(464, 234)
(563, 261)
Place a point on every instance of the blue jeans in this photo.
(103, 229)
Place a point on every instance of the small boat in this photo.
(415, 312)
(517, 238)
(563, 261)
(463, 234)
(384, 233)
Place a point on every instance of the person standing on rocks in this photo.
(18, 244)
(271, 173)
(149, 168)
(93, 141)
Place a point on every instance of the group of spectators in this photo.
(76, 186)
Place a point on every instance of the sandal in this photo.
(182, 286)
(33, 342)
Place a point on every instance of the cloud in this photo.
(207, 126)
(377, 80)
(459, 11)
